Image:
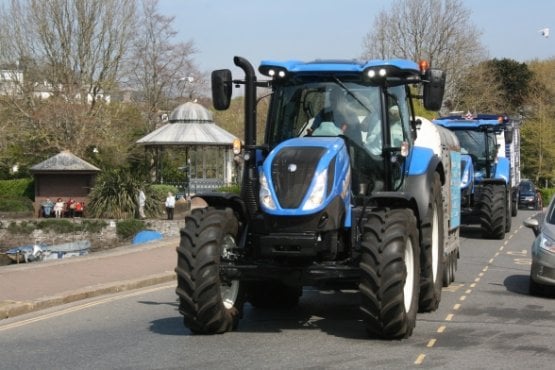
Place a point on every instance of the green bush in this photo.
(115, 196)
(24, 228)
(18, 188)
(93, 226)
(230, 189)
(15, 204)
(547, 194)
(59, 226)
(160, 191)
(125, 229)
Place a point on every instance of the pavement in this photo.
(35, 286)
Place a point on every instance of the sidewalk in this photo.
(35, 286)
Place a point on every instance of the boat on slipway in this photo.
(40, 251)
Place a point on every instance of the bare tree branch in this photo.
(436, 30)
(157, 63)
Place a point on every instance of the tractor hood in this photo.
(301, 176)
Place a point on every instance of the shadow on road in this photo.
(333, 312)
(471, 232)
(519, 284)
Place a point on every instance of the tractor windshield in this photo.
(334, 108)
(478, 145)
(350, 108)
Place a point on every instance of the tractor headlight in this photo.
(265, 194)
(318, 193)
(465, 178)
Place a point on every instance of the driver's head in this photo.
(336, 96)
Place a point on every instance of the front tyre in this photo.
(492, 211)
(390, 271)
(431, 261)
(209, 304)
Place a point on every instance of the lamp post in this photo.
(185, 81)
(187, 178)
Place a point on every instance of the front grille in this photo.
(292, 171)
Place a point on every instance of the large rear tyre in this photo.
(390, 271)
(209, 304)
(431, 257)
(492, 211)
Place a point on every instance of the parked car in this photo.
(529, 196)
(542, 272)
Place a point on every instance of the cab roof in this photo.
(470, 121)
(401, 66)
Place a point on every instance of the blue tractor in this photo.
(337, 195)
(487, 196)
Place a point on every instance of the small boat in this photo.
(27, 253)
(71, 249)
(40, 252)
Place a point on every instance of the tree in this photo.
(77, 44)
(538, 130)
(435, 30)
(480, 91)
(233, 118)
(66, 55)
(515, 79)
(157, 66)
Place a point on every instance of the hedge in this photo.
(18, 188)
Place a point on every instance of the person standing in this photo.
(142, 200)
(170, 205)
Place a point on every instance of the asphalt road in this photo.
(486, 320)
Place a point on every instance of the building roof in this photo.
(64, 162)
(191, 112)
(190, 124)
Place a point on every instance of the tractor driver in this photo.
(340, 112)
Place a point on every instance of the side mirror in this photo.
(533, 224)
(434, 89)
(221, 88)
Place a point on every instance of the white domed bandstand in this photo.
(208, 155)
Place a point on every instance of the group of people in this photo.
(72, 208)
(60, 208)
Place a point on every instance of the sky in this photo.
(311, 29)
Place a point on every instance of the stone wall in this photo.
(105, 239)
